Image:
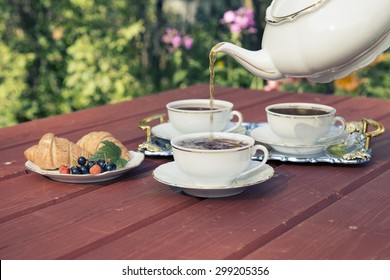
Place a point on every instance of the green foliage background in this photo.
(59, 56)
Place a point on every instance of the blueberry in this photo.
(75, 170)
(84, 169)
(90, 163)
(82, 160)
(110, 167)
(101, 162)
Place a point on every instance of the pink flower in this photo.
(272, 85)
(278, 85)
(235, 28)
(228, 17)
(240, 20)
(252, 30)
(165, 38)
(176, 41)
(187, 41)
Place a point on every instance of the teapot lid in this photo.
(280, 10)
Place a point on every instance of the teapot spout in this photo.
(259, 63)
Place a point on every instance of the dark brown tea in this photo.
(195, 108)
(299, 111)
(207, 143)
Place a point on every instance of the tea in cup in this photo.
(195, 115)
(217, 160)
(302, 123)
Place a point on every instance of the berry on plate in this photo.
(96, 169)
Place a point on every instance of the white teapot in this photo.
(322, 40)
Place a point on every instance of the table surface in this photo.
(305, 211)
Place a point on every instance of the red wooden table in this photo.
(305, 211)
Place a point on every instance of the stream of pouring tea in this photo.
(212, 57)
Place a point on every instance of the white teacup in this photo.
(194, 115)
(208, 166)
(302, 123)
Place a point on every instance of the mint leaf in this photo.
(109, 152)
(120, 162)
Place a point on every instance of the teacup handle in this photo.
(240, 119)
(254, 149)
(340, 132)
(342, 121)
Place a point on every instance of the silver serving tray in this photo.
(355, 150)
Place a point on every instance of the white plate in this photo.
(171, 175)
(167, 131)
(135, 160)
(264, 135)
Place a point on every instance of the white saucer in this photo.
(264, 134)
(171, 175)
(167, 131)
(135, 160)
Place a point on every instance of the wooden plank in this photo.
(355, 227)
(97, 216)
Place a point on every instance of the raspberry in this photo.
(64, 169)
(96, 169)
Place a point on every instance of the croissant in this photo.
(52, 152)
(93, 141)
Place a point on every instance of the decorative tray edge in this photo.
(355, 149)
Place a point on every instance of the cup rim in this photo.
(225, 135)
(330, 110)
(225, 105)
